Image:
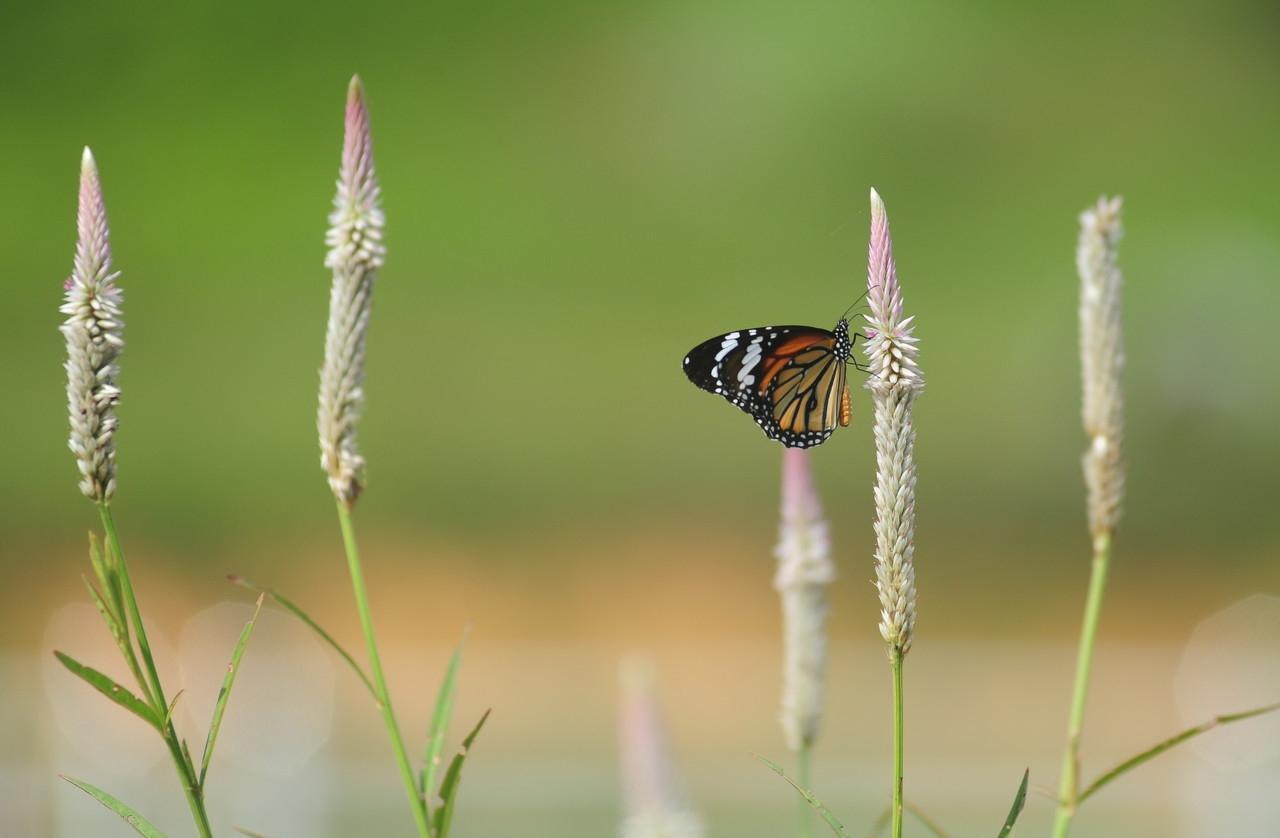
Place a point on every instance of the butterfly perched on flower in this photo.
(790, 379)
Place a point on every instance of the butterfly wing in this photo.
(790, 379)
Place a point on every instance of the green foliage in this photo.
(225, 692)
(443, 819)
(1019, 800)
(1161, 747)
(293, 609)
(439, 725)
(140, 824)
(836, 826)
(110, 689)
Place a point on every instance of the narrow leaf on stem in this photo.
(832, 822)
(440, 724)
(140, 824)
(1178, 739)
(110, 689)
(293, 609)
(452, 777)
(1019, 800)
(225, 692)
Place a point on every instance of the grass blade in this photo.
(293, 609)
(1178, 739)
(836, 826)
(449, 785)
(110, 689)
(440, 723)
(1019, 800)
(109, 617)
(168, 714)
(225, 692)
(249, 833)
(140, 824)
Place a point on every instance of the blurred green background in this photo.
(577, 193)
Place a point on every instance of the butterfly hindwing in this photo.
(791, 379)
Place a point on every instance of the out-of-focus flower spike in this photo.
(356, 252)
(805, 570)
(1102, 361)
(655, 802)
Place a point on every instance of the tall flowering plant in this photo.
(895, 382)
(93, 331)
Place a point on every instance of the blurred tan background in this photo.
(577, 193)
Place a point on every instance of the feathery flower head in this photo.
(895, 382)
(805, 569)
(891, 349)
(1102, 361)
(655, 802)
(93, 331)
(355, 253)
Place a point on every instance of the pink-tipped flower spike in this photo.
(804, 571)
(93, 331)
(895, 382)
(355, 254)
(655, 800)
(1102, 362)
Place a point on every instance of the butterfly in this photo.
(790, 379)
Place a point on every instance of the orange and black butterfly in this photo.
(791, 379)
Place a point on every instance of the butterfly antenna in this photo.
(854, 305)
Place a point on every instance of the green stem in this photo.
(1069, 783)
(804, 773)
(416, 803)
(154, 691)
(896, 662)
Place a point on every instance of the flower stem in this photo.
(804, 776)
(416, 803)
(896, 662)
(153, 690)
(1069, 784)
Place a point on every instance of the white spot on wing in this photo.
(749, 361)
(730, 344)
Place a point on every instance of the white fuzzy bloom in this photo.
(1101, 361)
(93, 331)
(895, 382)
(655, 802)
(804, 571)
(355, 254)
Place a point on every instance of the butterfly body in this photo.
(790, 379)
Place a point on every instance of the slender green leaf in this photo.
(140, 824)
(832, 822)
(168, 714)
(101, 569)
(186, 756)
(1178, 739)
(249, 832)
(225, 692)
(440, 723)
(289, 606)
(1019, 800)
(110, 689)
(452, 777)
(113, 623)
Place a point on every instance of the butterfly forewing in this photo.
(791, 379)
